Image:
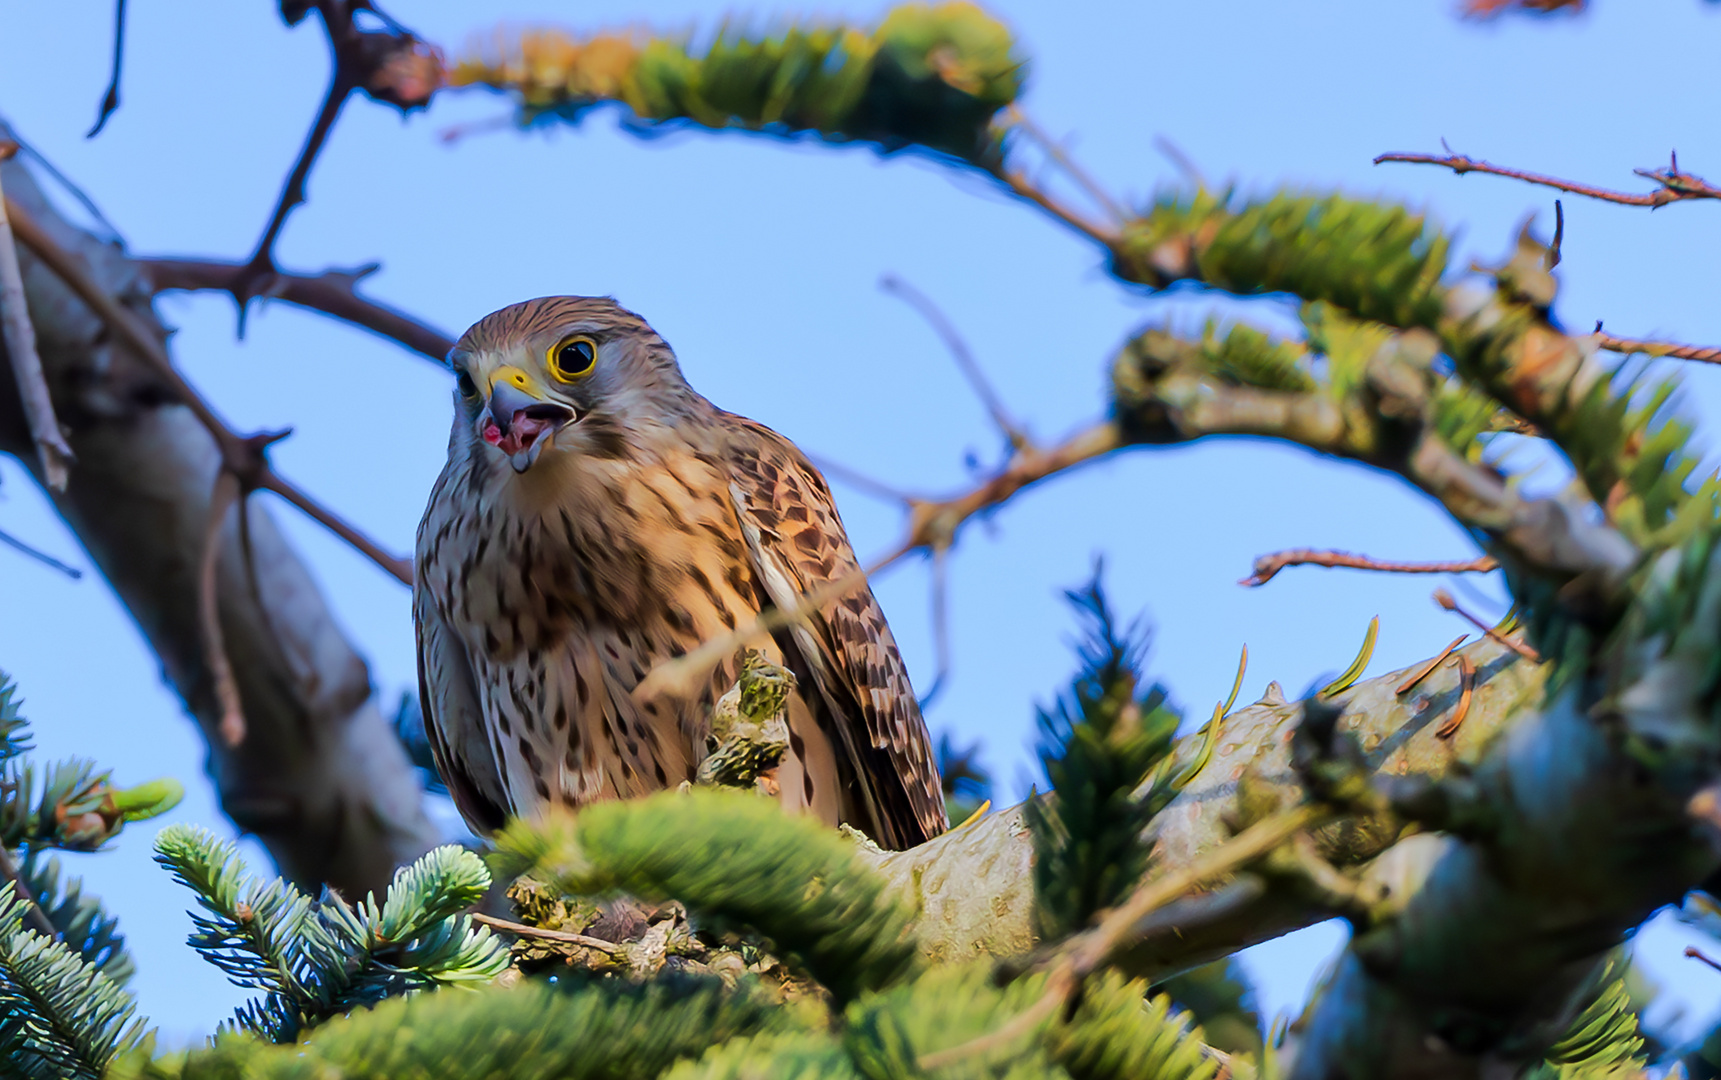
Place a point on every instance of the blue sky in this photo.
(759, 261)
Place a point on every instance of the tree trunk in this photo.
(320, 778)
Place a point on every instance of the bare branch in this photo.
(20, 339)
(522, 930)
(959, 350)
(878, 489)
(1703, 354)
(332, 292)
(1267, 566)
(1692, 952)
(1445, 600)
(940, 624)
(1018, 182)
(243, 456)
(1089, 951)
(321, 779)
(1076, 172)
(231, 725)
(390, 65)
(1676, 186)
(111, 99)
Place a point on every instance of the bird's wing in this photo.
(797, 543)
(454, 721)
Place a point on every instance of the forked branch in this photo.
(242, 455)
(390, 65)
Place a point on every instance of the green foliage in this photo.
(59, 1015)
(1097, 743)
(1116, 1035)
(81, 922)
(314, 961)
(1603, 1041)
(1377, 261)
(929, 75)
(14, 729)
(736, 860)
(604, 1031)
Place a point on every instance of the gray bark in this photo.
(320, 778)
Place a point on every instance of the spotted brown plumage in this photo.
(597, 517)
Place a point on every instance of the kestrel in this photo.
(596, 517)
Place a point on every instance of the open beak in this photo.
(519, 424)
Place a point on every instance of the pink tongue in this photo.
(523, 432)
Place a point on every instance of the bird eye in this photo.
(468, 389)
(573, 358)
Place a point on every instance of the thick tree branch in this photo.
(320, 777)
(974, 890)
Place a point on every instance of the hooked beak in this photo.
(519, 424)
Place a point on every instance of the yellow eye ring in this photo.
(573, 358)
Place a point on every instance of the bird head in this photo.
(562, 374)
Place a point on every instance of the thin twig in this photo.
(940, 624)
(332, 292)
(1676, 186)
(361, 59)
(679, 677)
(1091, 950)
(1266, 566)
(1058, 990)
(111, 99)
(39, 555)
(244, 456)
(1184, 163)
(232, 723)
(878, 489)
(33, 913)
(1019, 183)
(932, 524)
(1427, 669)
(1445, 600)
(20, 338)
(1076, 172)
(522, 930)
(1094, 948)
(1703, 354)
(1466, 684)
(963, 356)
(1694, 953)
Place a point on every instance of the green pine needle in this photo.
(62, 1016)
(732, 859)
(1098, 743)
